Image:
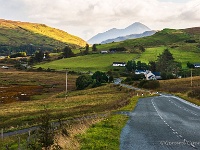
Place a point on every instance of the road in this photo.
(163, 122)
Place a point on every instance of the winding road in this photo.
(163, 122)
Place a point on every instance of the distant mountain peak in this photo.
(135, 28)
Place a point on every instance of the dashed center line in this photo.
(173, 130)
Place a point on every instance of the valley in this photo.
(35, 87)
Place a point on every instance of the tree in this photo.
(111, 79)
(100, 77)
(47, 55)
(190, 65)
(83, 81)
(86, 49)
(39, 55)
(139, 65)
(152, 66)
(141, 48)
(94, 48)
(67, 52)
(164, 61)
(129, 66)
(167, 65)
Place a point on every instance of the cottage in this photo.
(104, 52)
(157, 75)
(140, 71)
(150, 76)
(196, 65)
(119, 64)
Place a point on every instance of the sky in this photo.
(86, 18)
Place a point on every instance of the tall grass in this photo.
(105, 135)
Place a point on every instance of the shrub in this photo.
(149, 84)
(166, 76)
(195, 93)
(83, 81)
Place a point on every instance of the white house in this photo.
(104, 52)
(196, 65)
(148, 74)
(140, 71)
(119, 64)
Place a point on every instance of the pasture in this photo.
(92, 62)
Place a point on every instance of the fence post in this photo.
(19, 143)
(2, 134)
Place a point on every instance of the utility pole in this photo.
(66, 87)
(191, 77)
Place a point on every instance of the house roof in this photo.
(197, 65)
(156, 73)
(119, 63)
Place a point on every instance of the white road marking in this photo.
(173, 130)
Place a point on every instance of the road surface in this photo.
(163, 122)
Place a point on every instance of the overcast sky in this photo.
(86, 18)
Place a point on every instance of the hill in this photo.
(131, 36)
(166, 37)
(135, 28)
(17, 36)
(183, 44)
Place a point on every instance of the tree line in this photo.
(165, 64)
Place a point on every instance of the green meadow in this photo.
(180, 55)
(92, 62)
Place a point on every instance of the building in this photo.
(148, 74)
(140, 71)
(197, 65)
(158, 75)
(119, 64)
(104, 52)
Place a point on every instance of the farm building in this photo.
(197, 65)
(119, 64)
(104, 52)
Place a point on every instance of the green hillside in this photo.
(17, 36)
(167, 37)
(183, 44)
(93, 62)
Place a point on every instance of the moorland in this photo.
(90, 117)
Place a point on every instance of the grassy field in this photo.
(101, 100)
(100, 132)
(23, 86)
(93, 62)
(77, 104)
(103, 62)
(180, 54)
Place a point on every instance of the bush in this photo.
(149, 84)
(195, 93)
(137, 77)
(166, 76)
(84, 81)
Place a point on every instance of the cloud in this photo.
(85, 18)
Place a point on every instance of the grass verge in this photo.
(106, 134)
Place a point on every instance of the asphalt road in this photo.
(162, 123)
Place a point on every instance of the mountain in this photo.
(135, 28)
(17, 36)
(132, 36)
